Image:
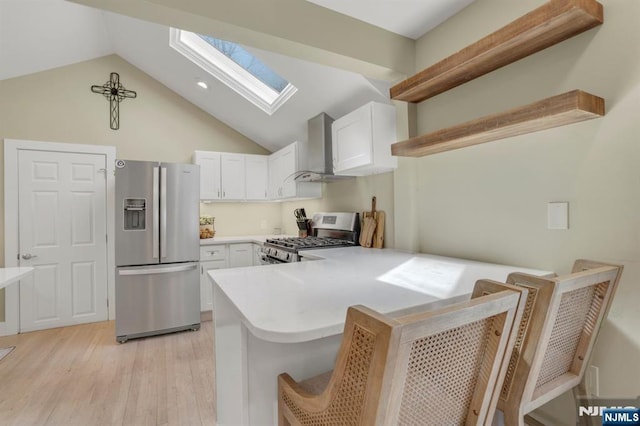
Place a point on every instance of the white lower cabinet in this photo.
(256, 254)
(240, 255)
(211, 257)
(222, 256)
(206, 289)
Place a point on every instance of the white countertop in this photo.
(297, 302)
(11, 275)
(258, 239)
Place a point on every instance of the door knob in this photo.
(28, 256)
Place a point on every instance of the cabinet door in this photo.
(206, 286)
(232, 176)
(352, 140)
(282, 165)
(256, 254)
(240, 255)
(209, 163)
(256, 176)
(288, 165)
(274, 181)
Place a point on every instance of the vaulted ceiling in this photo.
(36, 35)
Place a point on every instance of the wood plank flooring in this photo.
(80, 375)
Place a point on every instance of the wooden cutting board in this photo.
(369, 224)
(378, 235)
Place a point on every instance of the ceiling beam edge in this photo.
(295, 28)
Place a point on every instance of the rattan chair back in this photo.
(426, 368)
(556, 336)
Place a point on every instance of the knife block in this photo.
(304, 228)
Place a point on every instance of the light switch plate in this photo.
(558, 215)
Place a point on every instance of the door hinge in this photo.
(106, 238)
(18, 256)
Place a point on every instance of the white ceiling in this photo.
(410, 18)
(36, 35)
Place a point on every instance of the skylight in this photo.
(236, 67)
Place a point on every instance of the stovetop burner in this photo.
(329, 230)
(297, 243)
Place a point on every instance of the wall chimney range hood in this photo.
(320, 148)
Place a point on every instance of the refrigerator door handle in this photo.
(150, 271)
(163, 212)
(156, 220)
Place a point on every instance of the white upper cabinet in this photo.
(256, 176)
(362, 140)
(239, 177)
(210, 177)
(233, 176)
(282, 166)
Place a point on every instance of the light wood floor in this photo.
(80, 376)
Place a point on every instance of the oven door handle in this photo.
(265, 259)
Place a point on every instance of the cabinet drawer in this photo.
(213, 264)
(213, 252)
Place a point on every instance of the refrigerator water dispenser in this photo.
(135, 210)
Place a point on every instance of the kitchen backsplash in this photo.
(232, 219)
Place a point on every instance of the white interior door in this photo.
(62, 234)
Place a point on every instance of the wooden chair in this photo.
(436, 367)
(556, 337)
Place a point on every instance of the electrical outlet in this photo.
(593, 381)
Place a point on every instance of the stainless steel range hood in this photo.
(320, 161)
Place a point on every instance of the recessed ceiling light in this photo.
(202, 85)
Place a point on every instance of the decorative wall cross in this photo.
(115, 92)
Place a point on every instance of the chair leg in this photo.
(513, 418)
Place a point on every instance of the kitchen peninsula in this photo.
(12, 275)
(289, 317)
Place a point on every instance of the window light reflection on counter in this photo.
(436, 277)
(236, 67)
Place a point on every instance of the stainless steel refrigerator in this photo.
(157, 248)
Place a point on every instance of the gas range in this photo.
(329, 230)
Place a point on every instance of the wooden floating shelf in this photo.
(567, 108)
(545, 26)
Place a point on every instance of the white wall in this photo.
(489, 202)
(233, 219)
